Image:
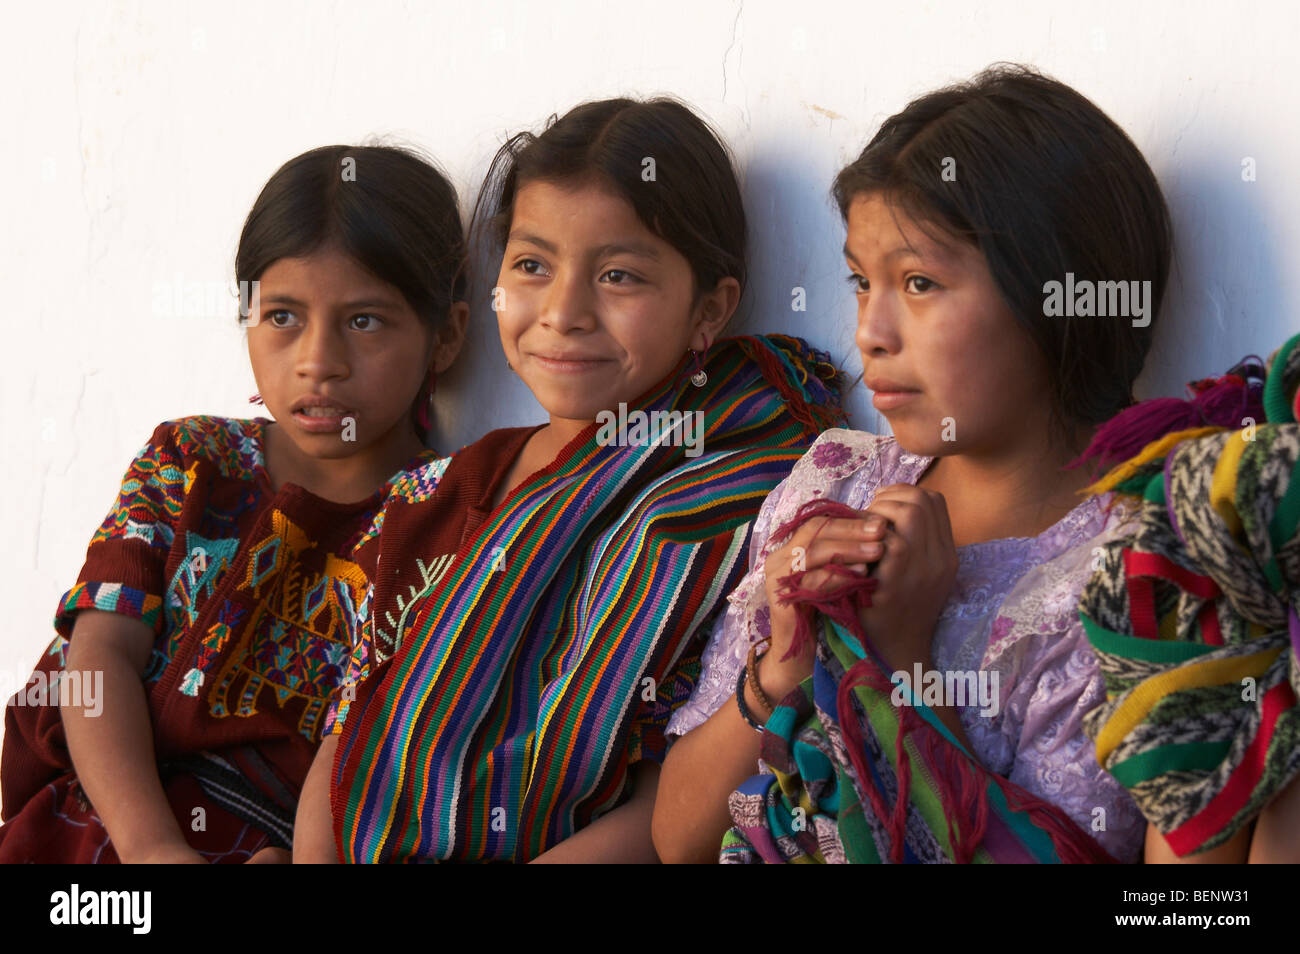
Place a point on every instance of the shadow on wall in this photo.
(797, 261)
(1226, 297)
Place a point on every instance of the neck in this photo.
(558, 433)
(340, 479)
(1015, 491)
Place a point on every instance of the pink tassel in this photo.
(1221, 402)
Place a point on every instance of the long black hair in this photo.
(657, 154)
(1043, 183)
(396, 215)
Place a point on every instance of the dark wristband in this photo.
(740, 702)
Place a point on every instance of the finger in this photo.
(819, 581)
(823, 552)
(924, 523)
(902, 492)
(840, 528)
(904, 516)
(893, 564)
(811, 572)
(847, 533)
(814, 576)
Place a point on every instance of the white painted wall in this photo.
(136, 136)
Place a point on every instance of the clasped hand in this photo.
(904, 540)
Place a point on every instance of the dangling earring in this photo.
(255, 399)
(425, 401)
(699, 378)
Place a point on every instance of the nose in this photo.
(878, 331)
(321, 354)
(567, 306)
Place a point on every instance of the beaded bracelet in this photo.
(740, 703)
(751, 671)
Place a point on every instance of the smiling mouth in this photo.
(567, 364)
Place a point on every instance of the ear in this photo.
(713, 311)
(451, 336)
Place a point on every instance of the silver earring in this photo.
(699, 378)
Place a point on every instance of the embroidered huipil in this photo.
(1013, 610)
(252, 595)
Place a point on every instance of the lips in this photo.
(315, 405)
(318, 414)
(568, 362)
(889, 394)
(888, 386)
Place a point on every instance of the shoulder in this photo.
(418, 482)
(412, 497)
(491, 452)
(494, 441)
(1084, 531)
(1039, 616)
(233, 445)
(841, 451)
(844, 463)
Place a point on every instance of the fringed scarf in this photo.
(858, 779)
(1194, 619)
(500, 727)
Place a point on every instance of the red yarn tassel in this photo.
(961, 781)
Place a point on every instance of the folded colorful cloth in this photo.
(1194, 620)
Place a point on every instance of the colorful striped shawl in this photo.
(500, 727)
(1194, 619)
(859, 779)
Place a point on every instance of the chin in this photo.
(566, 411)
(924, 442)
(326, 446)
(568, 406)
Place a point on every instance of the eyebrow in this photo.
(612, 248)
(628, 248)
(937, 255)
(531, 239)
(350, 305)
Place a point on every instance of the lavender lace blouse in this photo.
(1013, 610)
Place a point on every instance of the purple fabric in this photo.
(1013, 611)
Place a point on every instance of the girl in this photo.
(962, 535)
(216, 597)
(532, 620)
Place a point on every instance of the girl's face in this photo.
(593, 307)
(952, 370)
(338, 355)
